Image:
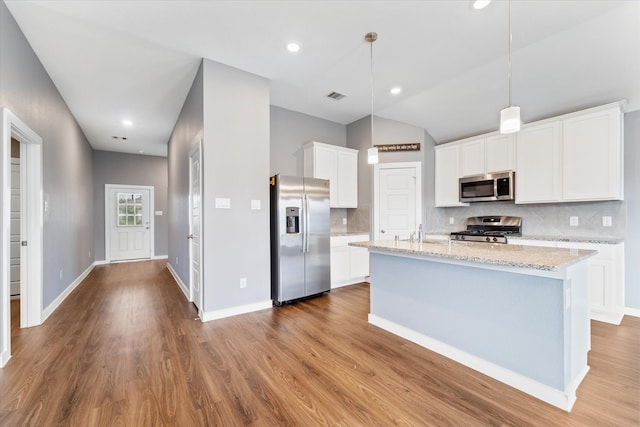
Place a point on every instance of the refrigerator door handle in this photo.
(305, 243)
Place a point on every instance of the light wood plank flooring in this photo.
(125, 350)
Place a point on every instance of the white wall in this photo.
(632, 200)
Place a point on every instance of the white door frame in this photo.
(31, 229)
(107, 212)
(376, 188)
(197, 147)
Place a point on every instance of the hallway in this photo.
(125, 349)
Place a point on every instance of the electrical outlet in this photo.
(243, 282)
(607, 221)
(89, 254)
(573, 221)
(60, 274)
(177, 261)
(451, 221)
(344, 221)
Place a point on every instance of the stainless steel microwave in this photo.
(487, 188)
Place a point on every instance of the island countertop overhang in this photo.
(512, 256)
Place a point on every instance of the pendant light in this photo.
(372, 153)
(510, 117)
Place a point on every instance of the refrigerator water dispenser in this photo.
(293, 220)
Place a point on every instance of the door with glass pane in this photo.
(129, 225)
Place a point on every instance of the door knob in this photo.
(189, 236)
(382, 231)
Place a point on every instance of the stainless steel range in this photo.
(491, 229)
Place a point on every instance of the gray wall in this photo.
(632, 200)
(236, 166)
(27, 90)
(290, 130)
(393, 132)
(220, 104)
(130, 169)
(188, 129)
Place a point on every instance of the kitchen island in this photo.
(519, 314)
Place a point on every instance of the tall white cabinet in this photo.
(337, 164)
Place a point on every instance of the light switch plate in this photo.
(255, 205)
(158, 213)
(573, 221)
(451, 220)
(607, 221)
(223, 203)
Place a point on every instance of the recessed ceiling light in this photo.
(480, 4)
(395, 90)
(141, 151)
(127, 122)
(293, 47)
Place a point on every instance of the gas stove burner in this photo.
(489, 229)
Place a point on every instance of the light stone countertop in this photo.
(600, 240)
(348, 233)
(511, 255)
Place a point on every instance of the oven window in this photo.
(477, 189)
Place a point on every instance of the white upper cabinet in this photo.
(472, 157)
(447, 173)
(592, 154)
(537, 163)
(572, 158)
(500, 153)
(337, 164)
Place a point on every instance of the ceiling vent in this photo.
(336, 96)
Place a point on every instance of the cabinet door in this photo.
(592, 161)
(347, 179)
(340, 268)
(359, 262)
(472, 158)
(499, 153)
(538, 164)
(325, 161)
(447, 170)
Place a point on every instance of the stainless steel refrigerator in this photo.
(300, 227)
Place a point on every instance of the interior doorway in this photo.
(195, 229)
(30, 224)
(397, 203)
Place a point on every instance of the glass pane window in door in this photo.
(129, 209)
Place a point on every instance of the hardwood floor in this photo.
(125, 349)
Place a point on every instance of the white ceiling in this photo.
(137, 59)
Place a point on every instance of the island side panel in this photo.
(515, 321)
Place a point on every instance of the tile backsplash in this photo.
(549, 219)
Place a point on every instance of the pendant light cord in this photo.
(371, 37)
(510, 41)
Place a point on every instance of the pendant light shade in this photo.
(510, 119)
(372, 153)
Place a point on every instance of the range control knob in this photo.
(488, 239)
(495, 239)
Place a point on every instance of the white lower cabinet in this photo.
(606, 276)
(349, 264)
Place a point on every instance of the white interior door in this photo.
(129, 223)
(195, 208)
(397, 200)
(15, 227)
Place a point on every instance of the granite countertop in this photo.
(601, 240)
(542, 238)
(511, 255)
(348, 233)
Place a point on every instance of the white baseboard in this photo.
(635, 312)
(181, 285)
(4, 358)
(613, 318)
(160, 257)
(101, 262)
(561, 399)
(56, 302)
(233, 311)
